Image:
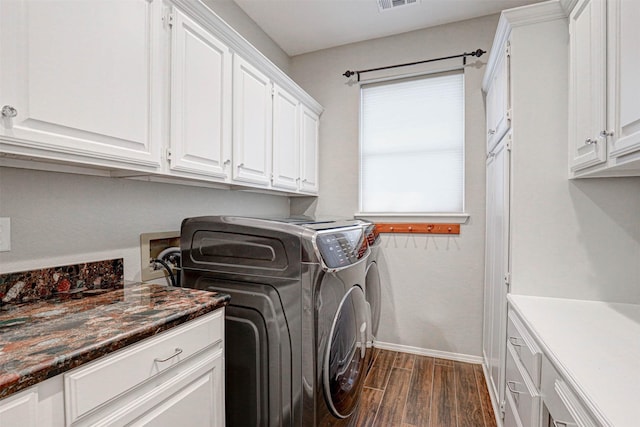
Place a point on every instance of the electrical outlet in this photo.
(151, 244)
(5, 234)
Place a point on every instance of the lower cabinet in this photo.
(174, 378)
(536, 393)
(39, 406)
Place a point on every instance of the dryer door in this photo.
(347, 354)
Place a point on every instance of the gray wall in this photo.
(59, 219)
(433, 285)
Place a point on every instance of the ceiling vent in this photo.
(393, 4)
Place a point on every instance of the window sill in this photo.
(435, 218)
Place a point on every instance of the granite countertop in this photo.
(44, 339)
(595, 346)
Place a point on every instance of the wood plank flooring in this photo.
(406, 390)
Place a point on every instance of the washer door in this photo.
(347, 354)
(372, 286)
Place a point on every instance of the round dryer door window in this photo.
(347, 354)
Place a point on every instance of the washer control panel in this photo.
(341, 247)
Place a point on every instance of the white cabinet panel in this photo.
(497, 265)
(200, 402)
(309, 127)
(286, 140)
(587, 88)
(20, 410)
(41, 405)
(201, 68)
(498, 101)
(624, 84)
(84, 78)
(252, 124)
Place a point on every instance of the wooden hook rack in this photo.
(418, 228)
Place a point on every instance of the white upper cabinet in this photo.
(498, 99)
(604, 91)
(201, 76)
(252, 124)
(624, 83)
(286, 140)
(309, 127)
(81, 81)
(587, 88)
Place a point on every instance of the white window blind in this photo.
(412, 145)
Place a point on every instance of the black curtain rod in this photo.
(478, 53)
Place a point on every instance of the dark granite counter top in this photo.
(44, 339)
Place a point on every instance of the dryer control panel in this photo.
(341, 247)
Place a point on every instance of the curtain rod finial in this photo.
(349, 73)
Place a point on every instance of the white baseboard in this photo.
(427, 352)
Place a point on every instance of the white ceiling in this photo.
(301, 26)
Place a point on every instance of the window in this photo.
(412, 145)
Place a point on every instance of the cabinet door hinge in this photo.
(168, 154)
(507, 50)
(273, 91)
(502, 409)
(507, 279)
(509, 114)
(168, 18)
(509, 142)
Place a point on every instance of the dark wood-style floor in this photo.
(406, 390)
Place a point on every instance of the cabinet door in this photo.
(309, 127)
(286, 140)
(252, 124)
(624, 84)
(498, 102)
(587, 88)
(200, 403)
(201, 68)
(20, 410)
(497, 265)
(83, 80)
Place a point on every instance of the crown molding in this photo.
(518, 17)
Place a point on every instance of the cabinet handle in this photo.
(515, 342)
(511, 385)
(590, 141)
(8, 111)
(305, 181)
(241, 165)
(227, 162)
(177, 352)
(606, 133)
(491, 131)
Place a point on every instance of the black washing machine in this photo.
(298, 328)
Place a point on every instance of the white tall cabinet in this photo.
(526, 89)
(82, 81)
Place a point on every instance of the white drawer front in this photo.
(562, 404)
(525, 397)
(98, 382)
(511, 414)
(525, 348)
